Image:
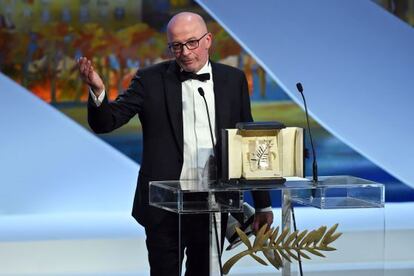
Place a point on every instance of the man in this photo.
(176, 137)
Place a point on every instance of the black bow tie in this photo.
(188, 76)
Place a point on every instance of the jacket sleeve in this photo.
(112, 115)
(246, 114)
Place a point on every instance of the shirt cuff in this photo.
(262, 210)
(97, 100)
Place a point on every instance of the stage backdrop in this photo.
(40, 41)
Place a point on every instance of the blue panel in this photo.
(50, 164)
(354, 59)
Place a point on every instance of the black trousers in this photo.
(164, 253)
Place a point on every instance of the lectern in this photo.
(331, 192)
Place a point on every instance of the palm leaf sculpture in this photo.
(275, 248)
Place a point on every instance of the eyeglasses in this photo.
(177, 47)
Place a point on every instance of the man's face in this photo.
(182, 32)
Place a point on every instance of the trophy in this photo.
(263, 151)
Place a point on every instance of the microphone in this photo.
(201, 92)
(314, 164)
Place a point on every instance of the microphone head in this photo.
(299, 87)
(201, 91)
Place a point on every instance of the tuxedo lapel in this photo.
(173, 96)
(221, 97)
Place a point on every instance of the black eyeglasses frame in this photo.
(186, 44)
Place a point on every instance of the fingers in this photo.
(85, 69)
(269, 218)
(255, 226)
(89, 76)
(261, 219)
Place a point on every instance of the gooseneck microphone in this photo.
(314, 164)
(201, 92)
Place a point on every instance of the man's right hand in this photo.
(89, 76)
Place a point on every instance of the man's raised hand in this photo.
(89, 76)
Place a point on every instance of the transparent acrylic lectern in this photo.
(355, 203)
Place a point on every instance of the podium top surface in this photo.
(330, 192)
(324, 182)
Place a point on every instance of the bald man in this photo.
(176, 137)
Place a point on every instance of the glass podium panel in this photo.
(192, 197)
(338, 192)
(356, 204)
(331, 192)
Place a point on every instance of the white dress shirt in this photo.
(197, 139)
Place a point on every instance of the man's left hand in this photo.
(260, 219)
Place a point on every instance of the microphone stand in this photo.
(314, 164)
(201, 92)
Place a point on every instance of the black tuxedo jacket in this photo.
(155, 95)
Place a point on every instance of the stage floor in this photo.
(114, 244)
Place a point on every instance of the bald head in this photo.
(189, 27)
(185, 21)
